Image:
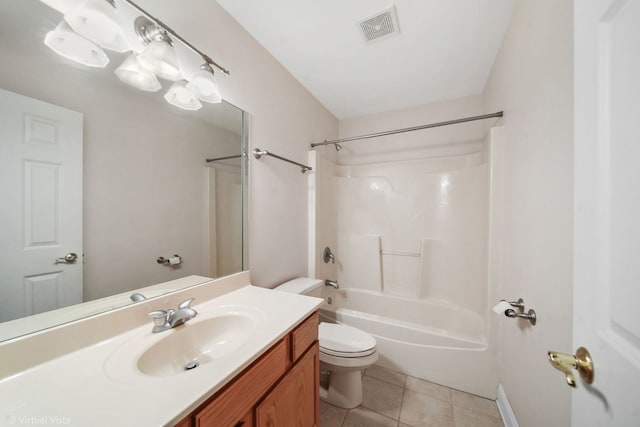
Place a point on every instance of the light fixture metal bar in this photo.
(177, 36)
(411, 129)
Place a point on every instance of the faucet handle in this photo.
(327, 255)
(159, 317)
(186, 303)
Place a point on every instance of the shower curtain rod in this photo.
(411, 129)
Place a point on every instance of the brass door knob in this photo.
(581, 362)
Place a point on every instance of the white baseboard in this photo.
(508, 417)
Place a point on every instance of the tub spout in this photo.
(332, 283)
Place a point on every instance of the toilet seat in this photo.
(344, 341)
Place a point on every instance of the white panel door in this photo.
(607, 210)
(41, 199)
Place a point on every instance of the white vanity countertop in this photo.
(99, 386)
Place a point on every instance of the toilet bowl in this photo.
(344, 352)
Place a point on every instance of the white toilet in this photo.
(344, 353)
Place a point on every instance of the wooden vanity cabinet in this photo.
(293, 402)
(280, 389)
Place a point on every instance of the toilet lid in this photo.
(343, 340)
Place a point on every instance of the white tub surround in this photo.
(97, 382)
(412, 238)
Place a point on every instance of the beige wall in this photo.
(532, 81)
(285, 119)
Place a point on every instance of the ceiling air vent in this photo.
(380, 26)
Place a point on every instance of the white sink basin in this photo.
(196, 344)
(190, 347)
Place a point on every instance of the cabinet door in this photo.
(229, 407)
(295, 400)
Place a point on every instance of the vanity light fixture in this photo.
(91, 25)
(203, 85)
(182, 97)
(131, 73)
(69, 44)
(97, 20)
(159, 57)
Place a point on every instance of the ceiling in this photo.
(445, 48)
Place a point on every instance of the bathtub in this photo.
(431, 340)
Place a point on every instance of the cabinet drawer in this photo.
(303, 336)
(229, 407)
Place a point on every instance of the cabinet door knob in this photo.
(239, 424)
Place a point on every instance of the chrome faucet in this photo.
(332, 283)
(167, 319)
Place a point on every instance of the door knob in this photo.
(581, 362)
(69, 258)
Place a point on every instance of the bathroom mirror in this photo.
(106, 188)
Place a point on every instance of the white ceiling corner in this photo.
(445, 49)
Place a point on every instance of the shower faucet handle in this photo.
(328, 256)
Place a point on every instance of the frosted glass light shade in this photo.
(160, 58)
(62, 6)
(67, 43)
(204, 86)
(131, 73)
(182, 97)
(97, 21)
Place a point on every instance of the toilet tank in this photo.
(300, 285)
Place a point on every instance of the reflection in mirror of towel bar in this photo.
(415, 254)
(234, 156)
(237, 156)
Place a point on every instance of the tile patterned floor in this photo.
(392, 399)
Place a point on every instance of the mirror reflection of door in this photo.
(41, 214)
